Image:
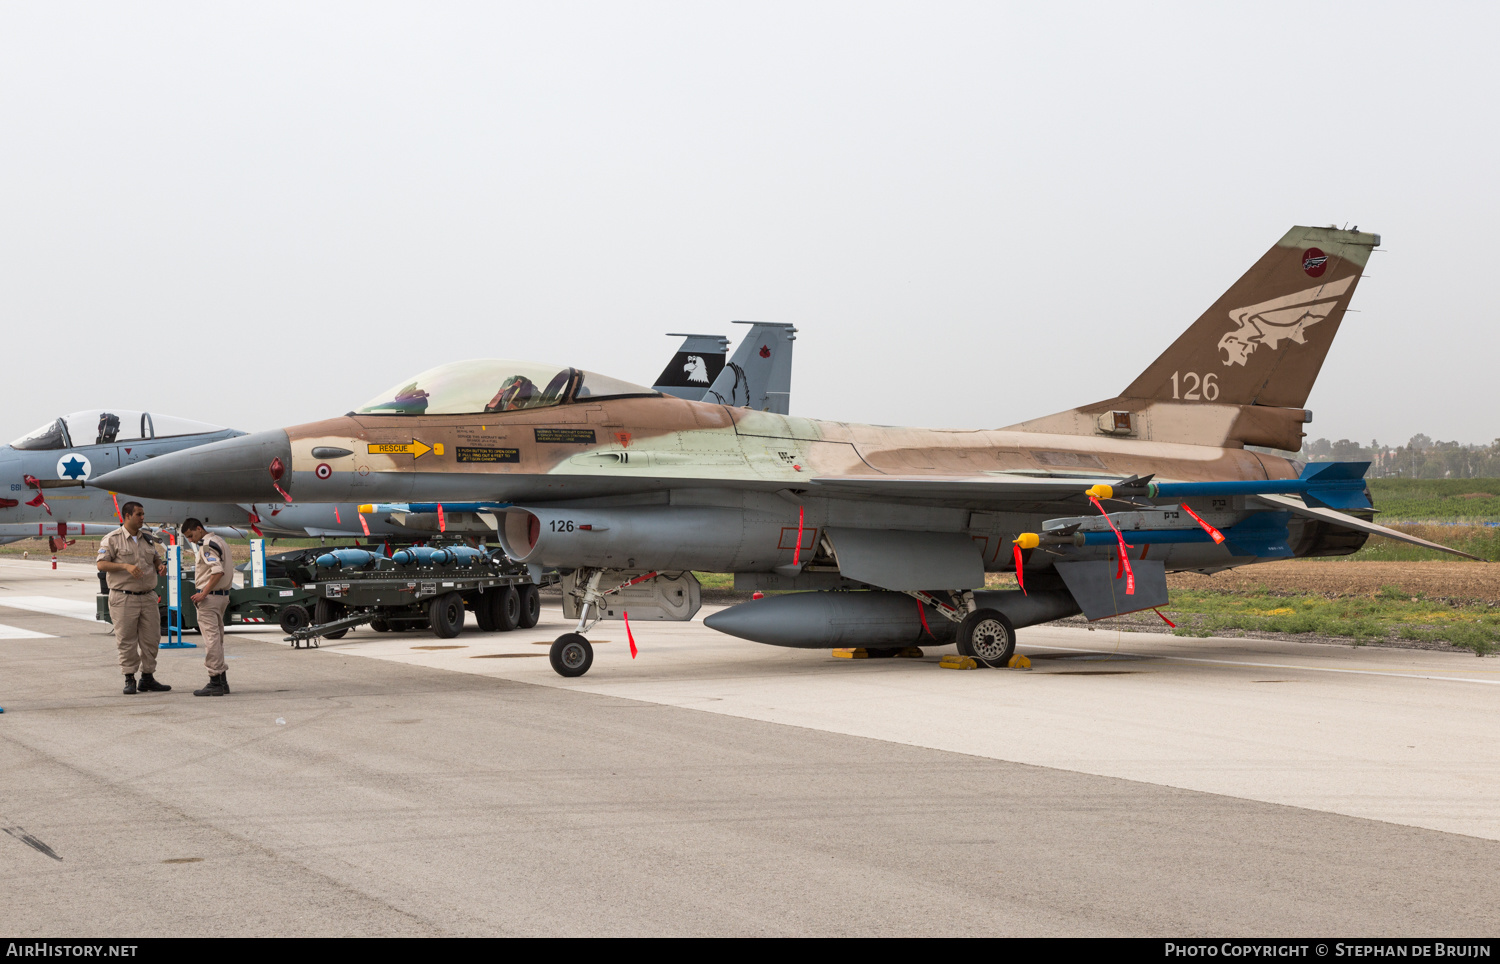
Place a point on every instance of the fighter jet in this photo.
(632, 488)
(47, 473)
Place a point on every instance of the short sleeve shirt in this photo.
(213, 567)
(120, 546)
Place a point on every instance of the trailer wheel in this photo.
(507, 609)
(484, 610)
(531, 606)
(294, 617)
(571, 655)
(446, 614)
(326, 612)
(380, 625)
(988, 636)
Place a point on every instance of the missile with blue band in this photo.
(1323, 485)
(1261, 534)
(429, 508)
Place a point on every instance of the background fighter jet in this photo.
(44, 473)
(759, 376)
(581, 471)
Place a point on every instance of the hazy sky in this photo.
(259, 214)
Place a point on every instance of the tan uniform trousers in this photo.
(137, 623)
(211, 629)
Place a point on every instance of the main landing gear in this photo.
(985, 635)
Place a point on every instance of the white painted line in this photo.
(45, 565)
(16, 632)
(1162, 657)
(51, 605)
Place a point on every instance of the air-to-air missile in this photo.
(887, 532)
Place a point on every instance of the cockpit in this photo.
(96, 426)
(484, 385)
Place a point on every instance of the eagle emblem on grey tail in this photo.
(696, 369)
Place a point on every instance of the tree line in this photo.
(1419, 458)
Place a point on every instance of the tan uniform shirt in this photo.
(213, 567)
(119, 546)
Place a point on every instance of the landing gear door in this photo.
(1100, 593)
(671, 598)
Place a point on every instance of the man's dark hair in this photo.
(188, 525)
(128, 509)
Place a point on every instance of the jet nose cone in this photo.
(234, 470)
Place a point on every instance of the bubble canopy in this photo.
(101, 426)
(483, 385)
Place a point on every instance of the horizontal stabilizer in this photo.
(1358, 525)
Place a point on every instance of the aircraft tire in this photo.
(326, 612)
(507, 609)
(988, 637)
(571, 655)
(484, 611)
(294, 617)
(531, 606)
(446, 615)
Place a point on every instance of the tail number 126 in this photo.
(1192, 387)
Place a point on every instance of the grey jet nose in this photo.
(234, 470)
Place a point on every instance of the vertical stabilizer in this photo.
(695, 366)
(759, 376)
(1241, 373)
(1263, 342)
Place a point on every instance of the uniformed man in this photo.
(213, 574)
(130, 563)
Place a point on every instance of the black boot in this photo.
(129, 684)
(150, 685)
(215, 687)
(224, 681)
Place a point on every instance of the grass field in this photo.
(1390, 612)
(1436, 500)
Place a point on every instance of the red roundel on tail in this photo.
(765, 351)
(1314, 262)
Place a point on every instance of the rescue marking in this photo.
(414, 448)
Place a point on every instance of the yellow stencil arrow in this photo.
(413, 448)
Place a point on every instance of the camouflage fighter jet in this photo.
(633, 489)
(45, 475)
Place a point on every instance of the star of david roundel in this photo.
(74, 467)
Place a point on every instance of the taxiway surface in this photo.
(1129, 784)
